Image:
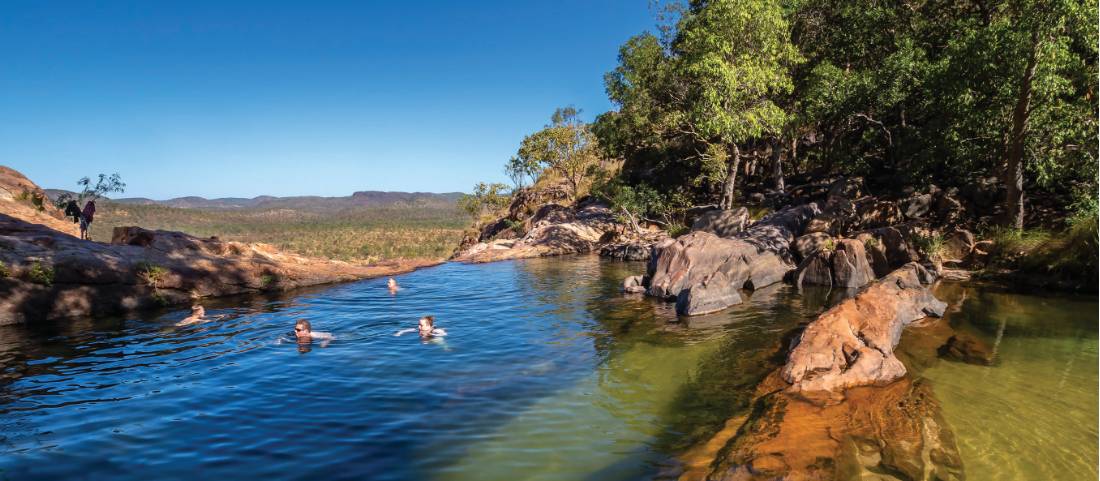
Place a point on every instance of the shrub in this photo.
(930, 245)
(151, 274)
(4, 271)
(41, 273)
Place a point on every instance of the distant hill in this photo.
(302, 203)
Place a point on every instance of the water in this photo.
(549, 373)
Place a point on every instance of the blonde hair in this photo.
(430, 319)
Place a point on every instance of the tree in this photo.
(486, 199)
(520, 170)
(566, 147)
(735, 56)
(104, 185)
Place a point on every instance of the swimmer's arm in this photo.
(439, 332)
(404, 331)
(322, 336)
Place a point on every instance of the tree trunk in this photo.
(777, 166)
(1013, 176)
(731, 178)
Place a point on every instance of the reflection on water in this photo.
(548, 372)
(1033, 414)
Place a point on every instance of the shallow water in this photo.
(548, 372)
(1033, 413)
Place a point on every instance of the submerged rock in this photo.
(633, 285)
(852, 344)
(897, 429)
(815, 270)
(967, 348)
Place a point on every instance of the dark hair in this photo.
(305, 323)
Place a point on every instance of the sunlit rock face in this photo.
(757, 257)
(853, 343)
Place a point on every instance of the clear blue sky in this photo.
(220, 98)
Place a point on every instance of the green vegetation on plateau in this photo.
(360, 233)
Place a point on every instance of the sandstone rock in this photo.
(898, 429)
(810, 243)
(821, 224)
(850, 265)
(967, 348)
(148, 269)
(633, 285)
(758, 256)
(712, 295)
(722, 223)
(852, 344)
(876, 253)
(958, 244)
(874, 213)
(815, 270)
(917, 206)
(582, 231)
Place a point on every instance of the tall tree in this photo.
(735, 56)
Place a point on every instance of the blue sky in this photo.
(218, 98)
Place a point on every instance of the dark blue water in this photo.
(548, 372)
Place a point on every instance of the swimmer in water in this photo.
(198, 316)
(426, 328)
(304, 332)
(392, 285)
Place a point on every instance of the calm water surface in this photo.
(548, 373)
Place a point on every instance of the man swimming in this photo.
(392, 285)
(304, 332)
(198, 316)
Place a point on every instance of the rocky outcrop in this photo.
(850, 265)
(55, 275)
(897, 429)
(22, 199)
(853, 343)
(47, 273)
(843, 407)
(722, 223)
(633, 285)
(555, 230)
(754, 258)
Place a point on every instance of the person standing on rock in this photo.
(86, 219)
(73, 210)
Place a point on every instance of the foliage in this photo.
(521, 171)
(36, 199)
(41, 273)
(104, 185)
(4, 270)
(151, 274)
(635, 203)
(931, 244)
(566, 147)
(486, 199)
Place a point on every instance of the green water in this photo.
(1033, 414)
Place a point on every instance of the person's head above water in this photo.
(391, 283)
(197, 311)
(302, 329)
(426, 324)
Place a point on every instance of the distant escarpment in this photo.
(47, 272)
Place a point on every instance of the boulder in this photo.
(876, 254)
(957, 244)
(967, 348)
(815, 270)
(852, 344)
(810, 243)
(633, 285)
(756, 257)
(892, 432)
(722, 223)
(874, 213)
(555, 230)
(917, 206)
(821, 224)
(850, 265)
(711, 295)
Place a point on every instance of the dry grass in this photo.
(366, 233)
